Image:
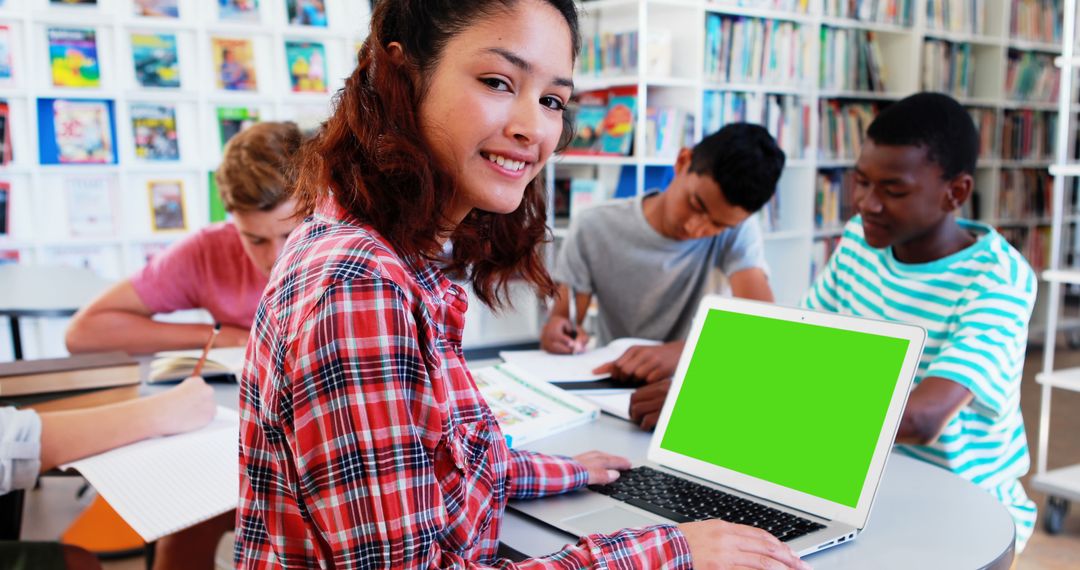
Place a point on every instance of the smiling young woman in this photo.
(364, 440)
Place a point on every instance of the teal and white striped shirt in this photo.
(975, 305)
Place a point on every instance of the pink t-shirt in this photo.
(206, 270)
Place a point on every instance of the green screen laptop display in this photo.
(795, 404)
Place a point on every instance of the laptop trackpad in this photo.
(609, 520)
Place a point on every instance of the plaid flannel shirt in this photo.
(364, 442)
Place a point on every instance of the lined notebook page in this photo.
(162, 485)
(570, 367)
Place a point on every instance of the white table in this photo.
(924, 517)
(44, 291)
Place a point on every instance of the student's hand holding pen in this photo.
(560, 336)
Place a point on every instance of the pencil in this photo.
(206, 350)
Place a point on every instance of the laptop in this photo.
(778, 418)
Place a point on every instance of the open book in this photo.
(528, 409)
(175, 365)
(570, 370)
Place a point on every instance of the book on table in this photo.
(224, 364)
(528, 409)
(69, 374)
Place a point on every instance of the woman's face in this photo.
(493, 112)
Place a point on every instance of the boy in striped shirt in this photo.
(906, 257)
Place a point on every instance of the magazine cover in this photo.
(157, 8)
(73, 56)
(9, 256)
(74, 2)
(166, 205)
(589, 111)
(232, 120)
(307, 66)
(154, 127)
(618, 128)
(5, 208)
(76, 131)
(90, 206)
(6, 154)
(7, 66)
(239, 10)
(155, 59)
(306, 12)
(234, 60)
(217, 207)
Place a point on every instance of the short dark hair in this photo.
(935, 122)
(744, 161)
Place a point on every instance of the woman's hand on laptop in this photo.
(723, 545)
(603, 467)
(646, 403)
(647, 363)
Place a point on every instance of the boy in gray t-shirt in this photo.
(650, 260)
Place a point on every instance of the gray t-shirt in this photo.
(647, 285)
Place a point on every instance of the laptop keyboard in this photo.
(682, 500)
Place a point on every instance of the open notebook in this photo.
(568, 370)
(164, 484)
(175, 365)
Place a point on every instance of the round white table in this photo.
(44, 291)
(923, 517)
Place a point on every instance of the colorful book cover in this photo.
(76, 131)
(232, 120)
(156, 60)
(239, 10)
(157, 8)
(5, 208)
(7, 67)
(307, 66)
(306, 12)
(618, 128)
(74, 2)
(6, 154)
(73, 56)
(217, 207)
(9, 256)
(154, 127)
(591, 108)
(90, 206)
(166, 205)
(234, 60)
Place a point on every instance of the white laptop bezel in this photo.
(830, 510)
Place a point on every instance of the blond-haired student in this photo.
(222, 268)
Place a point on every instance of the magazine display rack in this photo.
(115, 113)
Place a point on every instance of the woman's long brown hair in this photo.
(372, 157)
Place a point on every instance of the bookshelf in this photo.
(1061, 485)
(1000, 54)
(54, 219)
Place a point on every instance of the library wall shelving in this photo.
(159, 95)
(815, 72)
(1062, 484)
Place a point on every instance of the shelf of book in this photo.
(995, 42)
(156, 98)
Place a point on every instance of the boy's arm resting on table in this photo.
(930, 407)
(119, 320)
(556, 337)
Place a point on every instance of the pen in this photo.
(206, 350)
(573, 332)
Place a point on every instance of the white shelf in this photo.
(1031, 45)
(785, 235)
(959, 37)
(1065, 169)
(594, 159)
(1063, 482)
(592, 6)
(584, 83)
(1062, 276)
(867, 95)
(836, 163)
(713, 85)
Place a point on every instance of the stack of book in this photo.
(1032, 76)
(786, 117)
(851, 60)
(609, 53)
(958, 16)
(843, 125)
(948, 67)
(1028, 135)
(752, 50)
(1037, 20)
(896, 12)
(833, 203)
